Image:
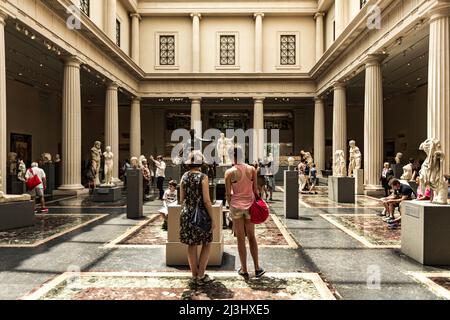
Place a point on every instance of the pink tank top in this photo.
(242, 196)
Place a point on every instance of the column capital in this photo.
(318, 99)
(196, 14)
(111, 85)
(319, 14)
(136, 99)
(374, 59)
(3, 17)
(136, 15)
(259, 99)
(440, 10)
(197, 99)
(72, 61)
(338, 85)
(258, 14)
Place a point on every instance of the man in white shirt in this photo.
(38, 191)
(160, 174)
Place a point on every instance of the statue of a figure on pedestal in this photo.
(134, 162)
(96, 157)
(339, 164)
(11, 198)
(109, 165)
(57, 158)
(22, 171)
(46, 158)
(224, 149)
(307, 156)
(407, 172)
(432, 172)
(398, 157)
(354, 158)
(12, 162)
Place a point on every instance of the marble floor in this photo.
(85, 250)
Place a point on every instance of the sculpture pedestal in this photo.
(15, 215)
(49, 169)
(291, 194)
(425, 232)
(220, 171)
(107, 194)
(176, 252)
(341, 189)
(398, 170)
(135, 194)
(359, 182)
(18, 186)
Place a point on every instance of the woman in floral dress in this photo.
(195, 189)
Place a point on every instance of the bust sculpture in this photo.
(432, 172)
(96, 157)
(57, 158)
(22, 171)
(134, 163)
(12, 161)
(398, 157)
(109, 165)
(407, 172)
(339, 164)
(307, 156)
(354, 158)
(46, 158)
(11, 198)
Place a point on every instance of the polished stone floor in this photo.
(86, 250)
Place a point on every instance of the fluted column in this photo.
(258, 42)
(196, 42)
(71, 126)
(110, 19)
(196, 115)
(439, 81)
(135, 36)
(258, 126)
(319, 35)
(339, 16)
(319, 134)
(112, 125)
(373, 123)
(3, 122)
(135, 128)
(339, 119)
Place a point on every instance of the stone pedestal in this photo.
(15, 215)
(107, 194)
(341, 189)
(176, 252)
(58, 169)
(425, 232)
(291, 194)
(220, 171)
(49, 169)
(398, 170)
(359, 182)
(18, 186)
(220, 190)
(135, 194)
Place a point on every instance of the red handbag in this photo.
(33, 182)
(259, 211)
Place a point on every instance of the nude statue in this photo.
(407, 172)
(398, 157)
(224, 147)
(22, 171)
(12, 161)
(96, 157)
(432, 172)
(354, 159)
(307, 156)
(109, 165)
(339, 164)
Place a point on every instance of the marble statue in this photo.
(339, 164)
(398, 157)
(224, 147)
(407, 172)
(307, 156)
(12, 161)
(96, 157)
(354, 159)
(22, 171)
(46, 158)
(432, 172)
(141, 159)
(11, 198)
(109, 165)
(134, 163)
(57, 158)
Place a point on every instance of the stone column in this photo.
(258, 42)
(110, 19)
(373, 124)
(339, 120)
(258, 126)
(71, 127)
(112, 125)
(135, 128)
(319, 134)
(135, 36)
(319, 35)
(3, 123)
(196, 42)
(196, 115)
(339, 16)
(439, 80)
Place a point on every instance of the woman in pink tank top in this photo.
(240, 183)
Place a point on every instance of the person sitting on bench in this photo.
(403, 192)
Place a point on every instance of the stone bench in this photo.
(16, 214)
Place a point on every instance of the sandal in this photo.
(193, 282)
(259, 273)
(205, 280)
(243, 274)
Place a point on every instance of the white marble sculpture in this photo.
(109, 165)
(398, 157)
(307, 156)
(354, 159)
(407, 172)
(57, 158)
(11, 198)
(96, 157)
(12, 163)
(46, 158)
(339, 164)
(432, 172)
(224, 148)
(22, 171)
(134, 162)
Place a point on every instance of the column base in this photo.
(70, 190)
